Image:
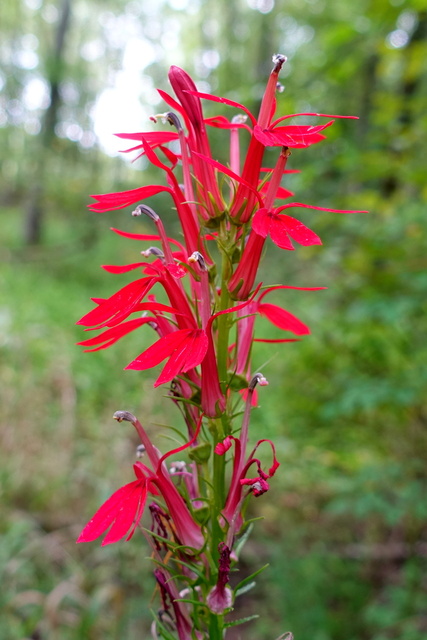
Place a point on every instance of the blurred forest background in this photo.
(345, 526)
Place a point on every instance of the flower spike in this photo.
(203, 308)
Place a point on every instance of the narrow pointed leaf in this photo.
(250, 578)
(235, 623)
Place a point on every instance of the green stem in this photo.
(224, 321)
(218, 500)
(223, 332)
(216, 626)
(221, 426)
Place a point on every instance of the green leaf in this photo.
(234, 623)
(196, 603)
(244, 589)
(248, 579)
(160, 627)
(191, 567)
(243, 539)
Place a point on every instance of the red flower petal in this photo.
(275, 341)
(275, 287)
(318, 115)
(283, 225)
(309, 206)
(158, 351)
(121, 508)
(283, 319)
(119, 200)
(290, 136)
(152, 137)
(125, 268)
(231, 103)
(109, 337)
(173, 103)
(185, 357)
(119, 306)
(171, 156)
(186, 349)
(228, 172)
(130, 513)
(176, 270)
(261, 222)
(223, 446)
(264, 223)
(221, 122)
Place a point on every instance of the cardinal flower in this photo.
(282, 229)
(124, 509)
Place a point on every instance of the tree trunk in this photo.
(33, 228)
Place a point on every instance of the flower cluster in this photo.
(204, 335)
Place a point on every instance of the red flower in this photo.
(282, 227)
(258, 485)
(123, 510)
